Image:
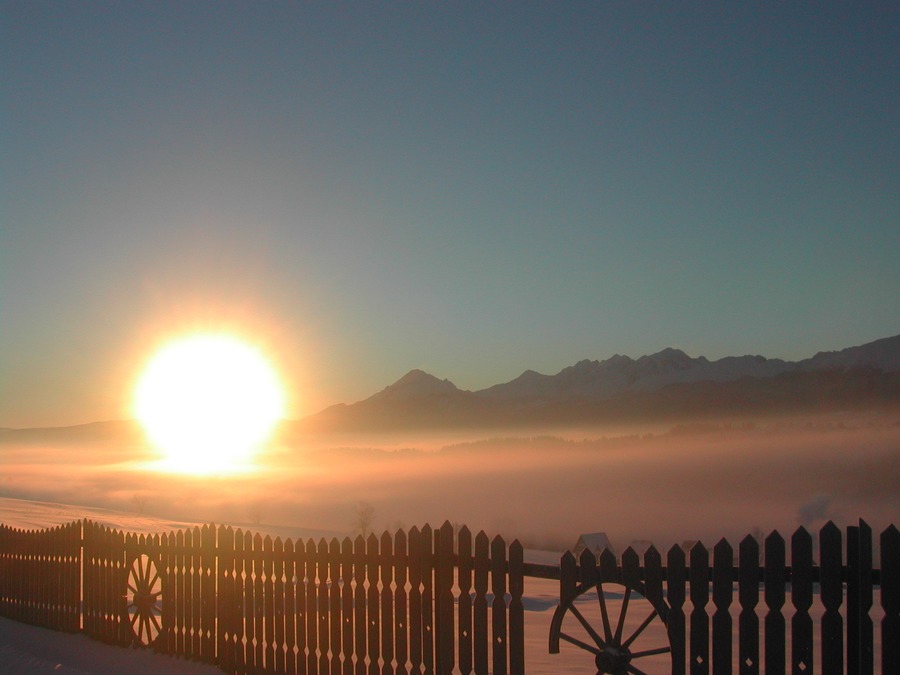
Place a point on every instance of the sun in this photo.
(208, 402)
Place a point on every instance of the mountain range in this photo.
(663, 385)
(666, 386)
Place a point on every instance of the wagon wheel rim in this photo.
(615, 649)
(144, 599)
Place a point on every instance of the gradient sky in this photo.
(469, 188)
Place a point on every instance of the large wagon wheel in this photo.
(618, 647)
(144, 599)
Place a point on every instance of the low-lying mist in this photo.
(659, 485)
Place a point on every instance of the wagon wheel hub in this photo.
(145, 601)
(613, 660)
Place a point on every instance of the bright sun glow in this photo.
(207, 402)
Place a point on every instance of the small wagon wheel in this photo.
(624, 645)
(144, 599)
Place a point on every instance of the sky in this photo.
(470, 188)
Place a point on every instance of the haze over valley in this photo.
(678, 448)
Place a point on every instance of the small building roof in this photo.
(593, 541)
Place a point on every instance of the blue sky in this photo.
(473, 189)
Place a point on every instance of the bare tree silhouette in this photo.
(364, 516)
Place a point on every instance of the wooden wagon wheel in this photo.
(144, 599)
(618, 647)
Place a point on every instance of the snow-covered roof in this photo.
(594, 541)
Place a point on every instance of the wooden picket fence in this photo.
(701, 633)
(439, 601)
(250, 604)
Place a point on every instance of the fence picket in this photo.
(349, 648)
(676, 575)
(801, 598)
(259, 605)
(208, 593)
(464, 583)
(386, 555)
(196, 593)
(360, 620)
(498, 605)
(480, 617)
(427, 559)
(278, 604)
(225, 599)
(443, 598)
(312, 611)
(323, 608)
(243, 591)
(268, 586)
(890, 600)
(723, 560)
(774, 623)
(372, 596)
(831, 591)
(516, 609)
(699, 571)
(748, 594)
(290, 608)
(866, 628)
(401, 620)
(336, 604)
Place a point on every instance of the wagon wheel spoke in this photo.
(640, 629)
(621, 624)
(606, 629)
(155, 622)
(132, 588)
(588, 627)
(134, 618)
(651, 652)
(583, 645)
(148, 567)
(140, 573)
(147, 628)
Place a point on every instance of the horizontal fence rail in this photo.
(442, 601)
